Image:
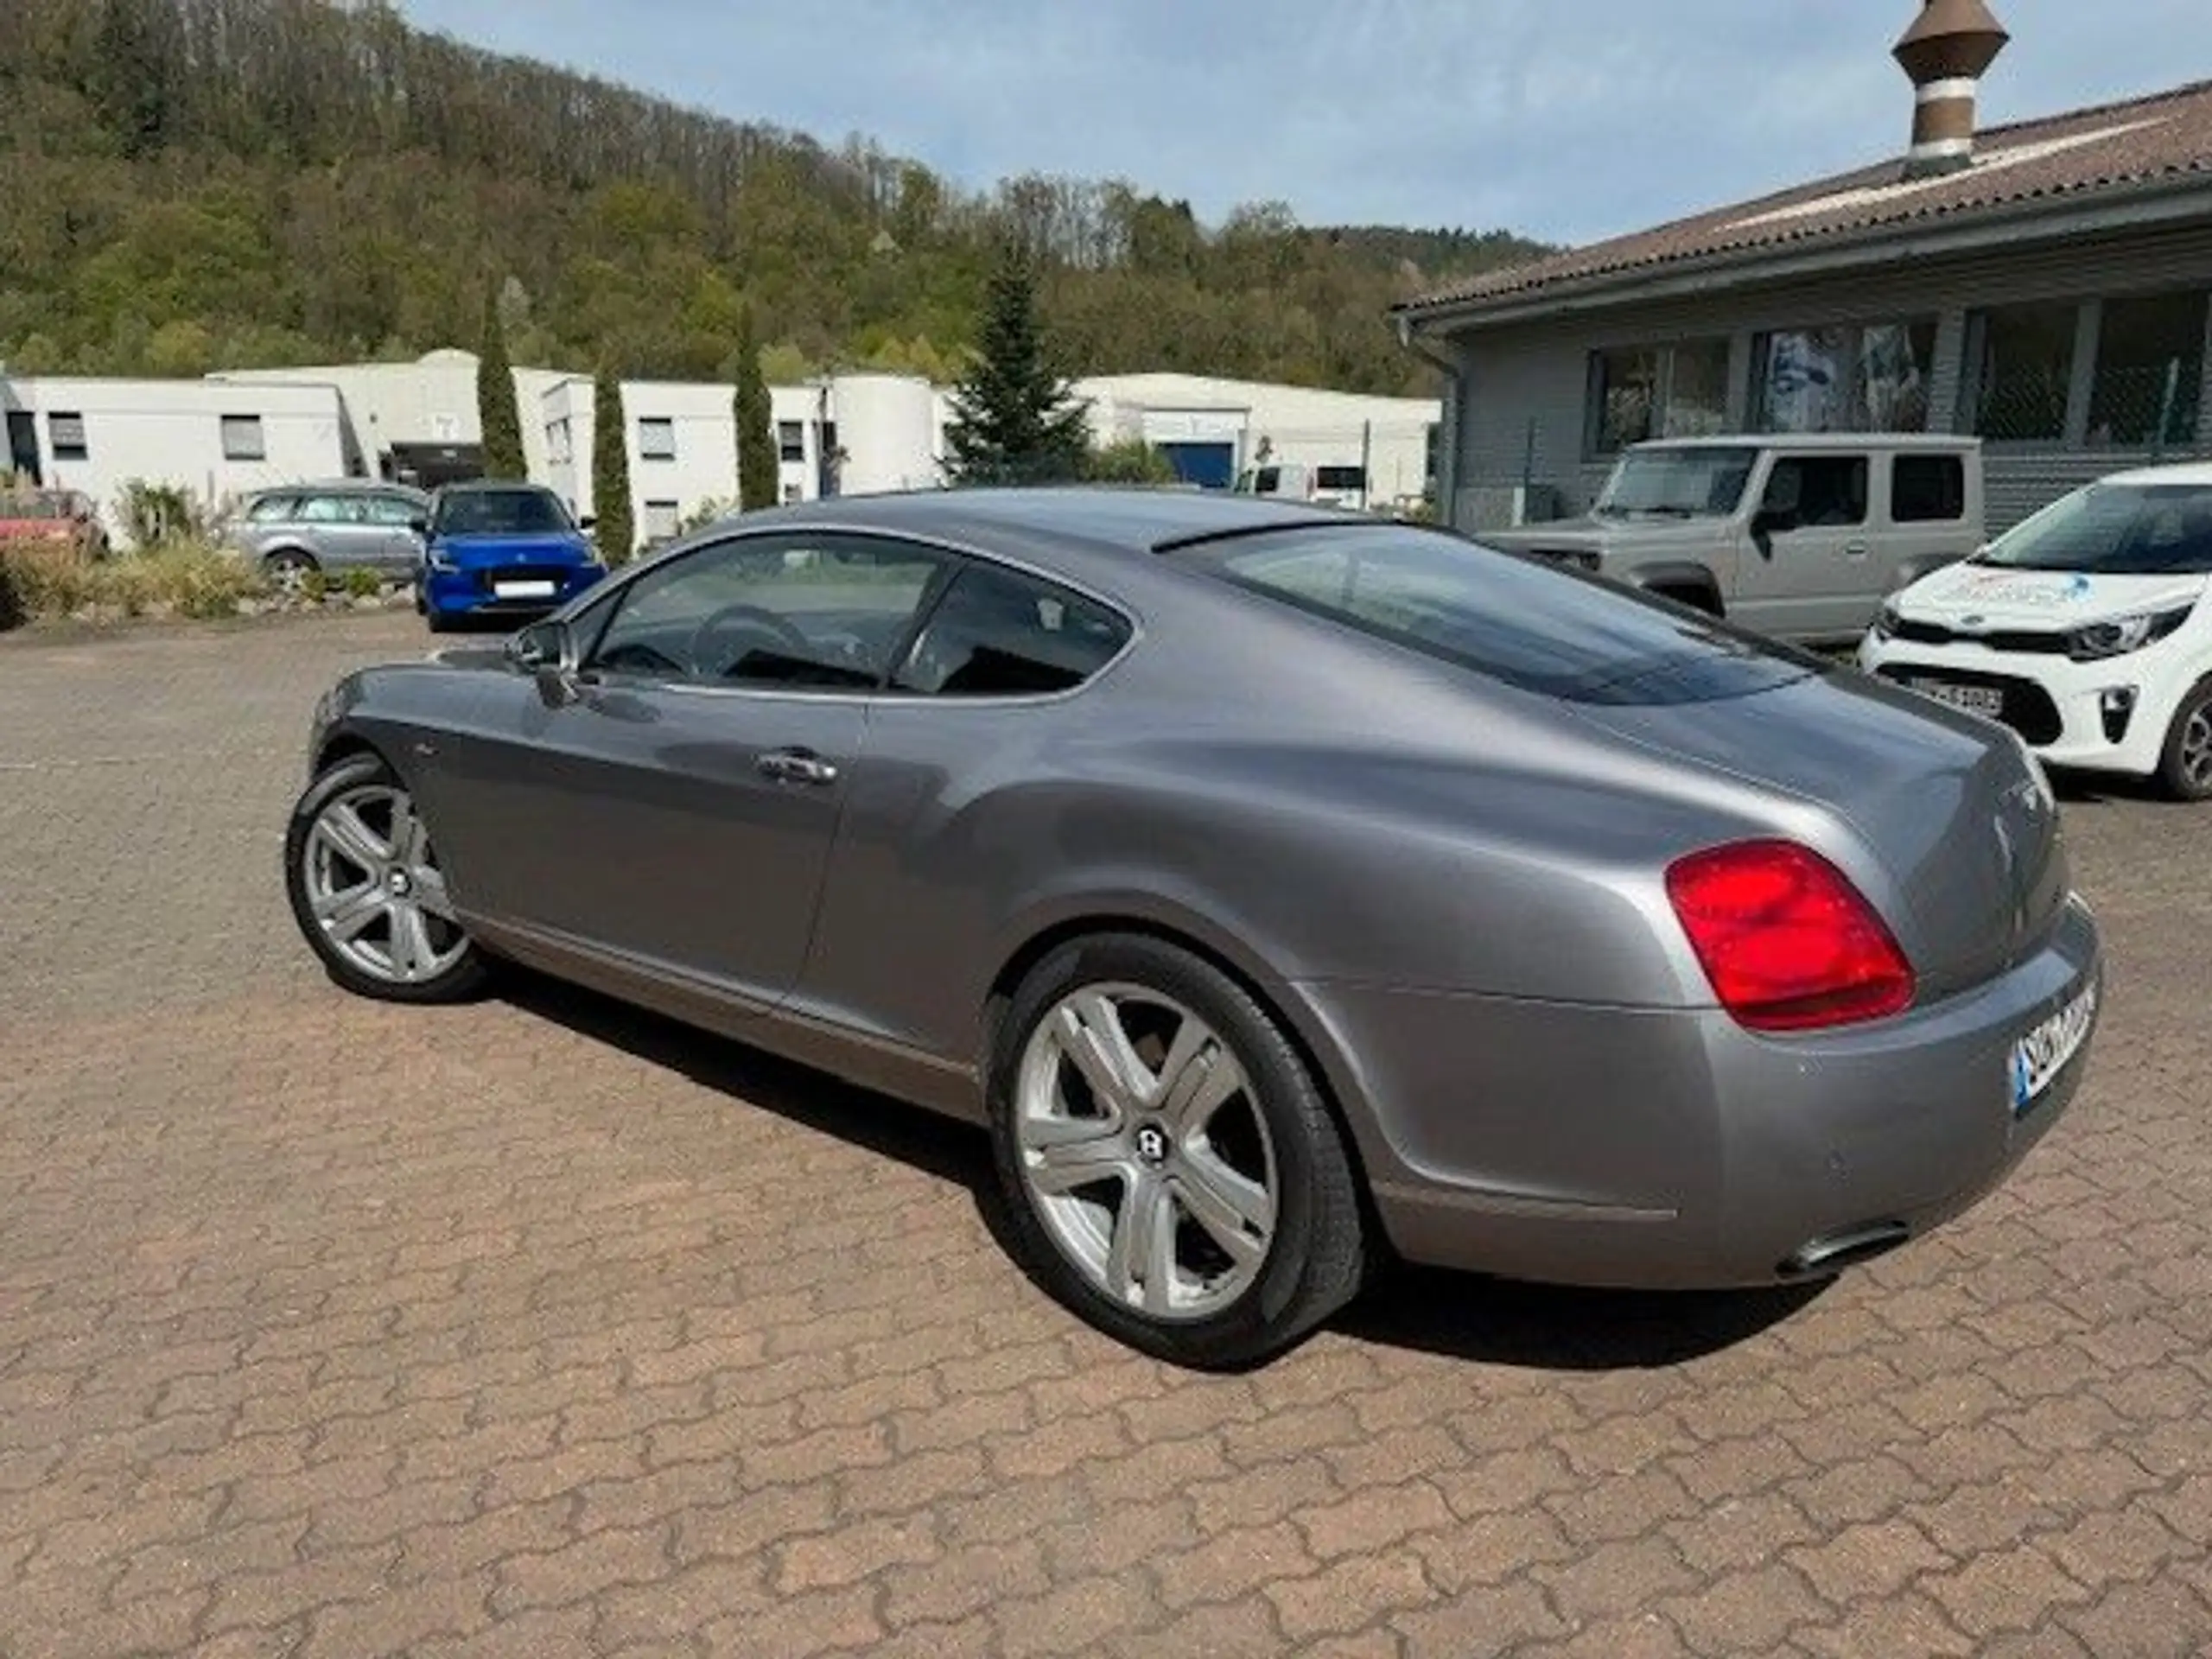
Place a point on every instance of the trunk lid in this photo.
(1951, 807)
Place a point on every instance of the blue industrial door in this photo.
(1212, 466)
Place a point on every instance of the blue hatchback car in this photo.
(495, 550)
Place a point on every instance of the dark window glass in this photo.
(790, 614)
(1519, 621)
(1340, 478)
(391, 510)
(999, 633)
(791, 440)
(1844, 378)
(1924, 489)
(1697, 390)
(1818, 492)
(2149, 368)
(1624, 398)
(273, 509)
(67, 432)
(2024, 372)
(243, 439)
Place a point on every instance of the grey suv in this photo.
(294, 531)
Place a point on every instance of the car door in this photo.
(342, 537)
(672, 800)
(395, 550)
(1927, 513)
(1807, 570)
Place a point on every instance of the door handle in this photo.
(797, 767)
(1854, 549)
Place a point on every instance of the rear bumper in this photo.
(1676, 1150)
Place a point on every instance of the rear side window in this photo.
(1928, 489)
(1818, 492)
(1513, 619)
(273, 509)
(1001, 633)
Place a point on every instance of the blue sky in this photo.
(1565, 119)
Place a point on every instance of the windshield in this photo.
(502, 513)
(1697, 483)
(2143, 530)
(1521, 621)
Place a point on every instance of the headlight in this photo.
(2095, 641)
(441, 563)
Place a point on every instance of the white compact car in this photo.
(2086, 629)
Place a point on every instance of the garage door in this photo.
(1210, 465)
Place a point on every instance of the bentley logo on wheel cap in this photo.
(1152, 1144)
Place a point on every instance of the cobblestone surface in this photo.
(542, 1328)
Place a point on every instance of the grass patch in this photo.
(41, 582)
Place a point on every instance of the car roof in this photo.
(2187, 472)
(485, 486)
(338, 486)
(1943, 440)
(1121, 520)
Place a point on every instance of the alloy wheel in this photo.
(2196, 757)
(1143, 1152)
(374, 889)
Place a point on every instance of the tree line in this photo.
(200, 184)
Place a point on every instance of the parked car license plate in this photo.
(1975, 699)
(2041, 1055)
(524, 589)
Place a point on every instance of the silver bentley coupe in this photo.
(1285, 890)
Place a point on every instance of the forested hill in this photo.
(187, 185)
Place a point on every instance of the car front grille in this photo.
(2028, 708)
(2022, 640)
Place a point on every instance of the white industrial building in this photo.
(1214, 431)
(213, 441)
(845, 434)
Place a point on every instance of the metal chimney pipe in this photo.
(1946, 53)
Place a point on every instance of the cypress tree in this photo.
(758, 468)
(496, 408)
(610, 471)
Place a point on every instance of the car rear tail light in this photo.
(1789, 944)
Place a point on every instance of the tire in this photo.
(369, 873)
(1078, 1167)
(288, 571)
(2185, 762)
(438, 621)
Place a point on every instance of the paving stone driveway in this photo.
(544, 1328)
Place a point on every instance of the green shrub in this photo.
(156, 515)
(314, 586)
(46, 583)
(364, 584)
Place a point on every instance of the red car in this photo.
(52, 516)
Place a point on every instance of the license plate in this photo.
(524, 589)
(2041, 1055)
(1974, 699)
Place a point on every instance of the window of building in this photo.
(1928, 489)
(1340, 478)
(1817, 491)
(558, 442)
(243, 439)
(66, 434)
(2149, 371)
(662, 519)
(1651, 391)
(2020, 370)
(657, 439)
(794, 492)
(791, 440)
(1624, 398)
(999, 633)
(1843, 378)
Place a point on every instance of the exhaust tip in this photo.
(1834, 1252)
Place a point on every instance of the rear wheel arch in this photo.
(1324, 1064)
(1687, 584)
(291, 552)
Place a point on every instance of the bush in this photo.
(158, 515)
(44, 583)
(364, 584)
(1131, 461)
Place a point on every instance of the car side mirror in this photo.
(543, 645)
(419, 524)
(587, 522)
